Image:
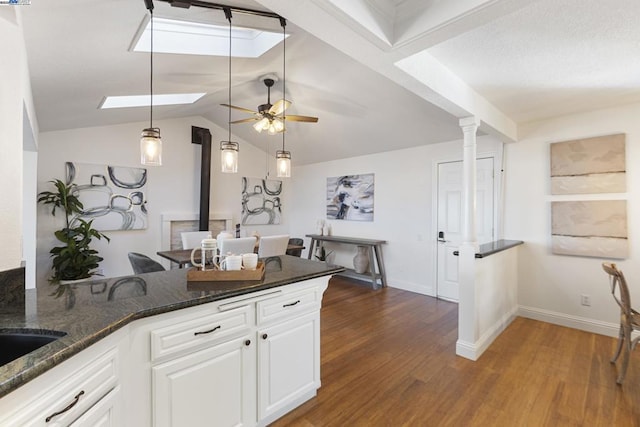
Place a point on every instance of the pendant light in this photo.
(283, 158)
(229, 149)
(150, 142)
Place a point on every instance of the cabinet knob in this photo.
(265, 336)
(247, 343)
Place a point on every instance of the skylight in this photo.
(191, 38)
(145, 100)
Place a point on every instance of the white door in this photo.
(450, 219)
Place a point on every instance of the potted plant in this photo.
(322, 254)
(74, 260)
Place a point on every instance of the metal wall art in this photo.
(261, 201)
(114, 197)
(350, 197)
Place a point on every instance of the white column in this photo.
(467, 307)
(469, 127)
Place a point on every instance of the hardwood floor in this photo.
(388, 359)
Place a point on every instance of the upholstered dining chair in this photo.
(241, 245)
(298, 242)
(143, 264)
(192, 239)
(629, 318)
(273, 245)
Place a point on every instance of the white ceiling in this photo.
(507, 61)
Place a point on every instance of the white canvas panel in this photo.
(600, 247)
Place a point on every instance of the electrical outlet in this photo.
(585, 300)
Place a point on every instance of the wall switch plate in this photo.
(585, 300)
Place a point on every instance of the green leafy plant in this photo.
(323, 254)
(75, 259)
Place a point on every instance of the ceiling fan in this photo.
(271, 117)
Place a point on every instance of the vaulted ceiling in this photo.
(380, 74)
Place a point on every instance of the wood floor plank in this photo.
(388, 359)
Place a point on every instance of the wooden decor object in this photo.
(197, 275)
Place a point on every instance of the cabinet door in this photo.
(288, 363)
(211, 387)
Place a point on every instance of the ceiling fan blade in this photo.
(246, 110)
(295, 118)
(279, 107)
(251, 119)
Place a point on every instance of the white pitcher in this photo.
(223, 235)
(208, 250)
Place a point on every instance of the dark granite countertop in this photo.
(496, 246)
(91, 310)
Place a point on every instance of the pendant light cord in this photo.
(151, 79)
(227, 12)
(283, 22)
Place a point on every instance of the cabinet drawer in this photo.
(288, 305)
(78, 393)
(105, 413)
(199, 331)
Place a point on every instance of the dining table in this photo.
(182, 257)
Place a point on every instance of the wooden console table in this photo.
(374, 247)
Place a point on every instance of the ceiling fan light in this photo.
(262, 124)
(229, 156)
(151, 147)
(283, 164)
(278, 125)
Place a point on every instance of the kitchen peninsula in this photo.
(152, 350)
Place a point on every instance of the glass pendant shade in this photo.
(229, 156)
(283, 164)
(151, 147)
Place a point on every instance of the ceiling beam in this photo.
(418, 72)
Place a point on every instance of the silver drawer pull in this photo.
(71, 405)
(207, 332)
(291, 304)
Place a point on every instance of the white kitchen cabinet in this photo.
(288, 365)
(211, 387)
(63, 395)
(247, 380)
(204, 365)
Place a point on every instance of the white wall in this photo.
(403, 212)
(15, 92)
(550, 285)
(172, 187)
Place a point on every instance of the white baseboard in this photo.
(575, 322)
(466, 350)
(473, 351)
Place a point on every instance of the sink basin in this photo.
(15, 344)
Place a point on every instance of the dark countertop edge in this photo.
(494, 247)
(346, 239)
(52, 360)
